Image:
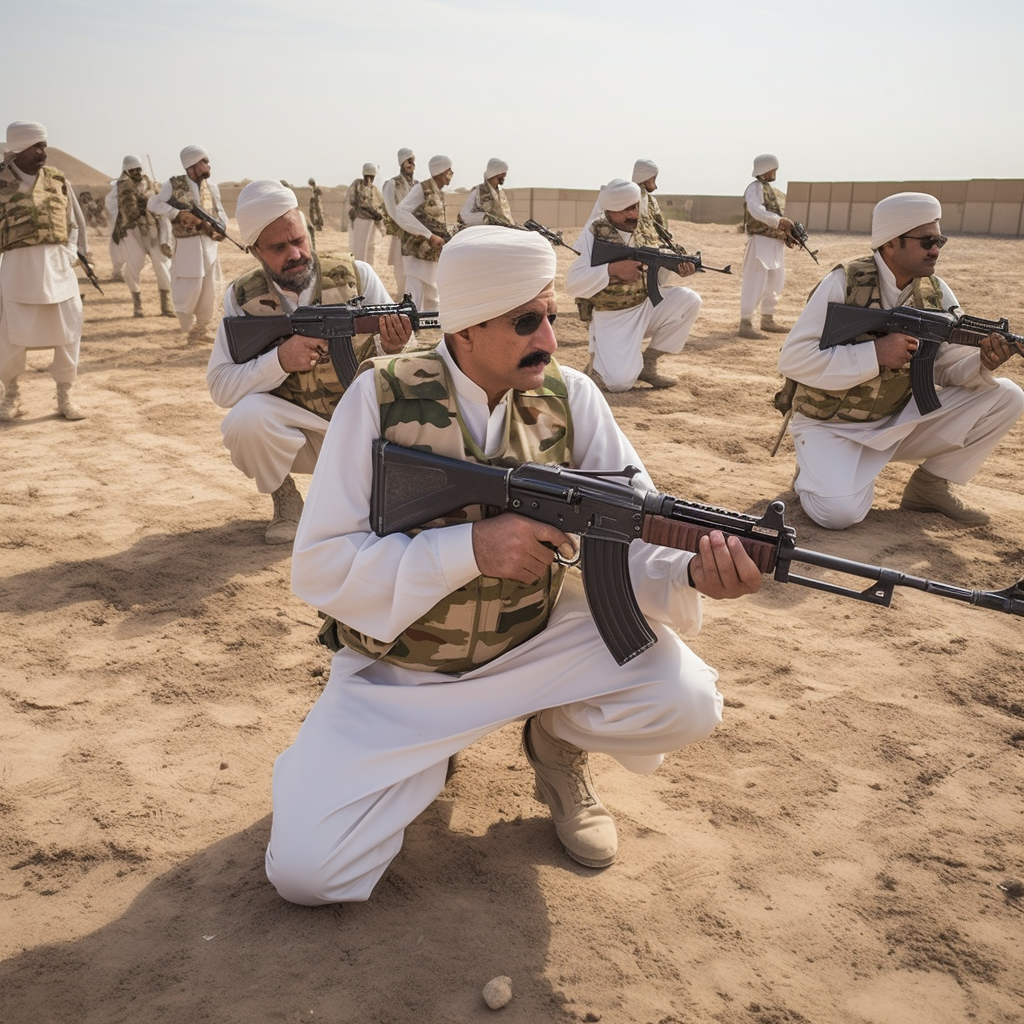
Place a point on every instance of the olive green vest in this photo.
(36, 217)
(403, 186)
(493, 204)
(488, 616)
(775, 202)
(623, 294)
(430, 213)
(890, 390)
(181, 193)
(317, 389)
(364, 200)
(132, 211)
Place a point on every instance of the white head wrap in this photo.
(370, 169)
(764, 163)
(900, 213)
(486, 270)
(618, 195)
(260, 203)
(495, 166)
(439, 163)
(404, 154)
(129, 163)
(23, 134)
(643, 170)
(192, 155)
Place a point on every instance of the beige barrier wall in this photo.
(981, 206)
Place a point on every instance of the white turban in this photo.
(764, 163)
(129, 163)
(439, 163)
(404, 154)
(22, 135)
(370, 169)
(192, 155)
(259, 204)
(901, 213)
(644, 170)
(487, 270)
(618, 195)
(495, 166)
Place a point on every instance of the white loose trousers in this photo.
(421, 281)
(372, 753)
(362, 238)
(395, 258)
(764, 274)
(136, 247)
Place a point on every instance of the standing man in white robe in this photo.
(365, 215)
(373, 752)
(393, 191)
(282, 401)
(421, 215)
(764, 265)
(116, 249)
(40, 301)
(853, 412)
(613, 299)
(140, 232)
(487, 203)
(195, 268)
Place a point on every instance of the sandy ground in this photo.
(845, 849)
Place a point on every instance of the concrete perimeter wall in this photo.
(981, 206)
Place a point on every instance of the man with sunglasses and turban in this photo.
(195, 268)
(41, 233)
(450, 633)
(852, 405)
(393, 191)
(613, 299)
(421, 215)
(282, 401)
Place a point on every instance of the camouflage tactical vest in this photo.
(493, 204)
(317, 389)
(364, 200)
(775, 202)
(886, 393)
(488, 616)
(36, 217)
(430, 213)
(132, 211)
(623, 294)
(403, 186)
(649, 208)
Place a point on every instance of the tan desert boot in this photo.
(65, 406)
(137, 304)
(649, 374)
(10, 407)
(768, 324)
(926, 492)
(287, 510)
(748, 330)
(166, 309)
(583, 824)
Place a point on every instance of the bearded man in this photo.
(282, 401)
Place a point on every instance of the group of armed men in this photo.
(478, 602)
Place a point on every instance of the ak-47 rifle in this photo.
(554, 237)
(89, 272)
(251, 336)
(210, 221)
(800, 235)
(850, 325)
(666, 237)
(653, 259)
(412, 487)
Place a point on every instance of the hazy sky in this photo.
(569, 93)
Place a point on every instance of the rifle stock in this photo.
(413, 488)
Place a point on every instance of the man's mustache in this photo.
(296, 264)
(534, 359)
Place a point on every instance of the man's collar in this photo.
(465, 386)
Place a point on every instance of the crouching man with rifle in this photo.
(282, 395)
(851, 406)
(446, 633)
(615, 298)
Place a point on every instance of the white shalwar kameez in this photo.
(420, 275)
(616, 335)
(117, 257)
(195, 268)
(40, 302)
(764, 265)
(395, 258)
(373, 751)
(137, 246)
(269, 437)
(838, 461)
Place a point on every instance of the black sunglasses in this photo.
(529, 323)
(928, 241)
